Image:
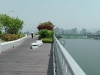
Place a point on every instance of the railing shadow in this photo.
(50, 65)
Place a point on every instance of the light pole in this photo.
(29, 28)
(36, 29)
(33, 28)
(10, 11)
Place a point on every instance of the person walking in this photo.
(32, 35)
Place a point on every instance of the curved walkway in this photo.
(22, 60)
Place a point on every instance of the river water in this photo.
(86, 53)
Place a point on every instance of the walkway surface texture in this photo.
(22, 60)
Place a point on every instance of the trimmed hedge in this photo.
(47, 40)
(11, 37)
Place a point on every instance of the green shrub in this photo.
(11, 37)
(46, 33)
(20, 35)
(0, 33)
(47, 40)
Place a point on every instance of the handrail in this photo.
(64, 64)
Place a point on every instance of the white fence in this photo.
(10, 44)
(64, 64)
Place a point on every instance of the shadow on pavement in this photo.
(50, 65)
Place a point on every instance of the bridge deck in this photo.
(22, 60)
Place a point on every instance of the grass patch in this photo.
(47, 40)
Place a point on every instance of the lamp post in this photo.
(10, 11)
(29, 28)
(34, 28)
(8, 15)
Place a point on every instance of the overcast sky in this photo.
(65, 14)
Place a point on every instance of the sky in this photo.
(66, 14)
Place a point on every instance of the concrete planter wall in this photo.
(11, 44)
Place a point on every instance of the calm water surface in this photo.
(86, 53)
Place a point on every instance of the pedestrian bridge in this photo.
(49, 59)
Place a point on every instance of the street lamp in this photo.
(34, 29)
(29, 28)
(10, 11)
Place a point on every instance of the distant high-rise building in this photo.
(83, 31)
(61, 31)
(74, 31)
(98, 32)
(57, 30)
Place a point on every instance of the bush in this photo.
(46, 33)
(46, 25)
(47, 40)
(11, 37)
(20, 35)
(0, 33)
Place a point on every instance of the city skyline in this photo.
(75, 31)
(64, 14)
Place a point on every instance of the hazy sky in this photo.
(62, 13)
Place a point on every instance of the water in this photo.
(86, 53)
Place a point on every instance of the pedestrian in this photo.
(32, 35)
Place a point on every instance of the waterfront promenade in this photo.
(22, 60)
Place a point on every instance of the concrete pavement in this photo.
(22, 60)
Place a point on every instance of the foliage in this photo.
(12, 25)
(0, 34)
(0, 25)
(47, 40)
(46, 33)
(15, 26)
(46, 25)
(72, 37)
(10, 37)
(20, 35)
(4, 20)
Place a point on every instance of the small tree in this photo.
(4, 21)
(11, 24)
(15, 26)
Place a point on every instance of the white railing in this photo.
(64, 64)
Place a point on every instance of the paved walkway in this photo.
(22, 60)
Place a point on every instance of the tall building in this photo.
(57, 30)
(83, 31)
(74, 31)
(61, 31)
(98, 32)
